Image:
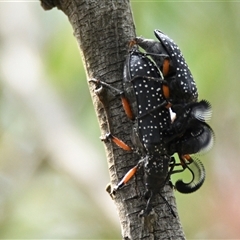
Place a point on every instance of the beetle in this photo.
(154, 136)
(144, 103)
(143, 85)
(171, 62)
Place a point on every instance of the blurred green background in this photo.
(52, 165)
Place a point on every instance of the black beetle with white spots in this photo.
(160, 98)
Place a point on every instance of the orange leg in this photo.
(120, 93)
(186, 157)
(165, 67)
(126, 178)
(127, 107)
(117, 141)
(132, 43)
(184, 160)
(165, 90)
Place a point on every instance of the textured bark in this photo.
(103, 30)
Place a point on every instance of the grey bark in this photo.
(103, 30)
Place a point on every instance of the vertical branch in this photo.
(103, 30)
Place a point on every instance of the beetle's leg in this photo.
(183, 163)
(149, 206)
(117, 141)
(166, 66)
(125, 103)
(99, 84)
(127, 177)
(127, 107)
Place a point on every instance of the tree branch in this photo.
(103, 30)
